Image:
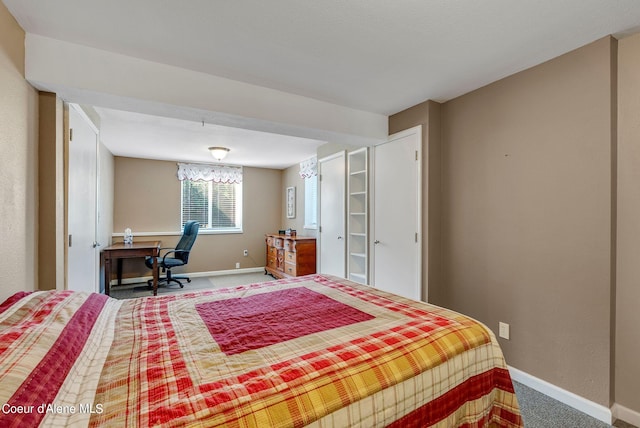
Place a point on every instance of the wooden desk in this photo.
(121, 251)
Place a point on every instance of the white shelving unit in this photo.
(358, 216)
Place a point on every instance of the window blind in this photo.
(215, 206)
(311, 202)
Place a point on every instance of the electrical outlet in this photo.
(238, 265)
(245, 253)
(503, 330)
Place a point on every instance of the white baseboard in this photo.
(228, 272)
(192, 275)
(630, 416)
(592, 409)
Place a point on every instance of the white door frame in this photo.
(340, 154)
(415, 130)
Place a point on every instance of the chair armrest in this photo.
(173, 251)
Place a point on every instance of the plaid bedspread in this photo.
(314, 350)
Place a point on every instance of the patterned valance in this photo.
(309, 168)
(215, 173)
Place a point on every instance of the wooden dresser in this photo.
(289, 256)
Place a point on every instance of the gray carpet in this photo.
(538, 410)
(541, 411)
(131, 291)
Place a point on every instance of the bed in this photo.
(309, 351)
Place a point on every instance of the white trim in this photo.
(139, 279)
(625, 414)
(178, 233)
(232, 271)
(85, 117)
(592, 409)
(335, 155)
(120, 234)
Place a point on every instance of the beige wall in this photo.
(527, 224)
(147, 199)
(291, 178)
(18, 163)
(146, 196)
(627, 373)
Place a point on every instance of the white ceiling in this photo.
(379, 56)
(154, 137)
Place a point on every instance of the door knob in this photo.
(376, 242)
(339, 237)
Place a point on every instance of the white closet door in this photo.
(396, 214)
(82, 256)
(332, 234)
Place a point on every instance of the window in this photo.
(309, 172)
(216, 206)
(311, 202)
(212, 196)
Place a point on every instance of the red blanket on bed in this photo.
(312, 350)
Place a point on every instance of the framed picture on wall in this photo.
(291, 202)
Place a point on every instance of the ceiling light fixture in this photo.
(218, 153)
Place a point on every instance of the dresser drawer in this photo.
(278, 242)
(290, 269)
(289, 256)
(272, 262)
(289, 245)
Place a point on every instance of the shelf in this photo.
(358, 207)
(358, 277)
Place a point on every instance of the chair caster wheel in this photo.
(188, 279)
(181, 286)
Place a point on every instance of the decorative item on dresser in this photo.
(289, 256)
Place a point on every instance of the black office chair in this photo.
(179, 255)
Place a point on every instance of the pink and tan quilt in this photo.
(311, 351)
